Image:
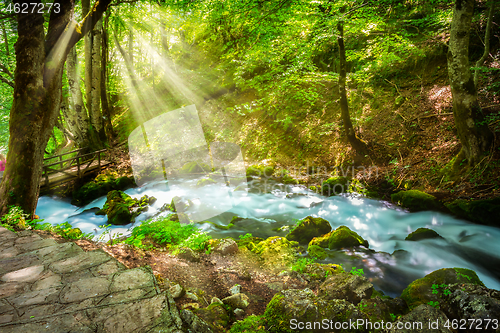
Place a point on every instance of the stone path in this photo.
(50, 287)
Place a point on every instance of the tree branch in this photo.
(480, 62)
(4, 80)
(6, 70)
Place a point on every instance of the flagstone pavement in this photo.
(46, 286)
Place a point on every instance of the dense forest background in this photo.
(266, 75)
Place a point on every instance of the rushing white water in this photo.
(384, 226)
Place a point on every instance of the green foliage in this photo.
(198, 241)
(434, 304)
(15, 219)
(64, 230)
(245, 236)
(164, 232)
(358, 272)
(301, 264)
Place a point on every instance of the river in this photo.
(384, 225)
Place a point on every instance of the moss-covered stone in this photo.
(340, 238)
(421, 292)
(335, 185)
(316, 252)
(321, 272)
(287, 179)
(249, 242)
(386, 309)
(194, 167)
(265, 171)
(479, 211)
(308, 228)
(99, 187)
(277, 252)
(416, 201)
(215, 315)
(305, 307)
(352, 288)
(253, 323)
(117, 208)
(205, 181)
(422, 233)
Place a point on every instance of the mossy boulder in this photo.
(117, 207)
(205, 182)
(317, 252)
(335, 185)
(479, 211)
(289, 180)
(321, 272)
(249, 242)
(421, 291)
(265, 171)
(424, 314)
(194, 167)
(252, 323)
(386, 309)
(470, 301)
(123, 209)
(308, 228)
(277, 252)
(352, 288)
(99, 187)
(422, 233)
(340, 238)
(215, 315)
(416, 201)
(291, 306)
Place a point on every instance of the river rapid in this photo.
(391, 263)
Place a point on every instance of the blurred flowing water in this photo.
(391, 263)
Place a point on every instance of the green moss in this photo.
(479, 211)
(289, 180)
(276, 251)
(215, 315)
(422, 233)
(275, 316)
(317, 252)
(194, 167)
(321, 241)
(249, 242)
(260, 171)
(416, 200)
(342, 237)
(308, 228)
(253, 324)
(420, 291)
(335, 185)
(205, 181)
(100, 186)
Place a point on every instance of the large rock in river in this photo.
(308, 228)
(422, 233)
(416, 201)
(342, 237)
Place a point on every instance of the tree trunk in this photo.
(95, 115)
(76, 115)
(88, 62)
(106, 112)
(6, 40)
(473, 133)
(37, 97)
(358, 145)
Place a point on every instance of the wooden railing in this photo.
(72, 167)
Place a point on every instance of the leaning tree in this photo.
(40, 58)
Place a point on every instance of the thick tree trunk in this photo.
(37, 97)
(106, 112)
(473, 133)
(76, 115)
(358, 145)
(88, 61)
(95, 115)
